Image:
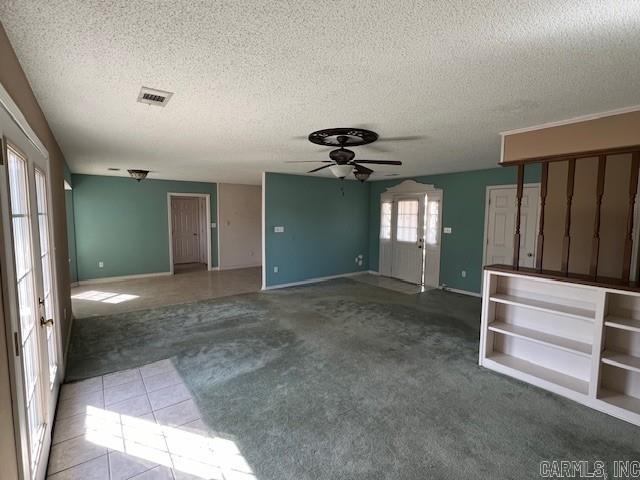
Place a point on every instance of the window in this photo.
(433, 217)
(385, 221)
(407, 228)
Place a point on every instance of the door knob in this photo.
(529, 254)
(44, 322)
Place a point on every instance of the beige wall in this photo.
(240, 228)
(15, 82)
(600, 134)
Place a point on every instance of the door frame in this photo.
(207, 197)
(411, 187)
(490, 188)
(16, 379)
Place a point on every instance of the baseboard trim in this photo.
(239, 267)
(92, 281)
(314, 280)
(214, 269)
(463, 292)
(66, 347)
(74, 284)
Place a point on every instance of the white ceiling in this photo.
(251, 76)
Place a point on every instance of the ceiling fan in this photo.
(343, 161)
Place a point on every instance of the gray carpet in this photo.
(343, 380)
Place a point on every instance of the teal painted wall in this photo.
(324, 230)
(71, 230)
(124, 224)
(463, 210)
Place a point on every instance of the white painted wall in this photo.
(240, 225)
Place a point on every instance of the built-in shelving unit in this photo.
(621, 360)
(559, 309)
(577, 340)
(556, 341)
(622, 323)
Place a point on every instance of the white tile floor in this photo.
(138, 424)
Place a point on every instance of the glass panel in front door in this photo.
(47, 279)
(23, 247)
(407, 221)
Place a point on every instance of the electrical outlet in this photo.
(463, 273)
(276, 269)
(278, 229)
(100, 264)
(446, 230)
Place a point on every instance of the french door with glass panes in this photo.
(28, 280)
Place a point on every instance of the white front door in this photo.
(186, 229)
(408, 238)
(501, 226)
(28, 269)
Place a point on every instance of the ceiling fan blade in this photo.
(376, 148)
(401, 139)
(319, 168)
(308, 161)
(380, 162)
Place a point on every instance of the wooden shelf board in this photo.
(622, 323)
(566, 310)
(621, 360)
(620, 400)
(542, 373)
(555, 341)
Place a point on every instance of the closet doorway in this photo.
(189, 235)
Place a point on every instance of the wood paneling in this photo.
(613, 216)
(544, 178)
(582, 215)
(633, 188)
(554, 218)
(595, 243)
(516, 237)
(566, 240)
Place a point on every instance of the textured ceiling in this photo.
(251, 77)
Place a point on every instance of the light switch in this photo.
(278, 229)
(214, 225)
(446, 230)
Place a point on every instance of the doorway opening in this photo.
(410, 219)
(189, 233)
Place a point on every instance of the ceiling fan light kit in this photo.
(138, 175)
(341, 171)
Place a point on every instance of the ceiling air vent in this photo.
(151, 96)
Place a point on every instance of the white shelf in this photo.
(566, 310)
(622, 323)
(542, 373)
(562, 343)
(620, 400)
(621, 360)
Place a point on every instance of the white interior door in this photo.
(186, 229)
(28, 266)
(501, 225)
(408, 238)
